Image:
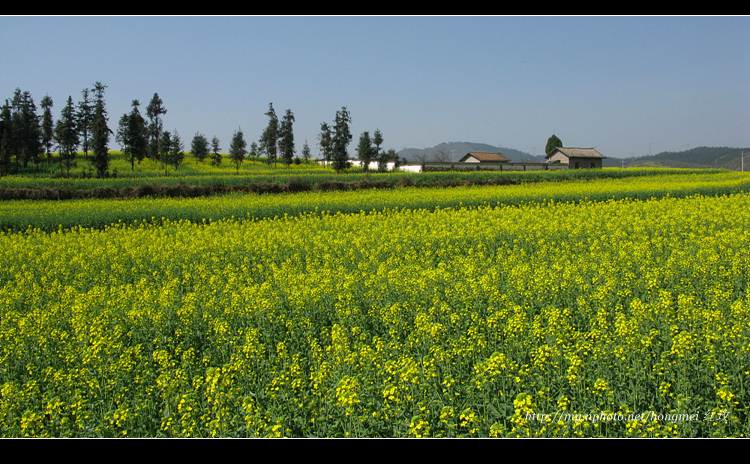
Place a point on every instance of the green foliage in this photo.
(47, 126)
(341, 138)
(154, 111)
(270, 137)
(132, 135)
(365, 150)
(199, 147)
(286, 138)
(84, 117)
(7, 141)
(25, 128)
(238, 149)
(325, 140)
(66, 135)
(100, 132)
(215, 155)
(173, 149)
(552, 143)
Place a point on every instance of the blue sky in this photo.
(627, 85)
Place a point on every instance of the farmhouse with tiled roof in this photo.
(576, 158)
(482, 157)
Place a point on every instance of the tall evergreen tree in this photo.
(270, 137)
(254, 151)
(26, 129)
(132, 135)
(215, 155)
(286, 138)
(66, 135)
(381, 156)
(173, 149)
(6, 139)
(199, 147)
(365, 150)
(325, 141)
(100, 132)
(377, 141)
(342, 136)
(48, 128)
(238, 149)
(84, 118)
(306, 151)
(154, 111)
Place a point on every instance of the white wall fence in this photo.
(458, 166)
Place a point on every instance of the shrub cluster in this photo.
(292, 185)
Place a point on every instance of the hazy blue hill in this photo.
(456, 150)
(698, 157)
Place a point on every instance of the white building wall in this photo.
(374, 166)
(559, 157)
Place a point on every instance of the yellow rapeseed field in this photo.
(613, 317)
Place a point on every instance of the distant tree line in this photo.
(27, 136)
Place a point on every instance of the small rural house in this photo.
(483, 157)
(576, 158)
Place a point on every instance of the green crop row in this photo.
(308, 176)
(51, 215)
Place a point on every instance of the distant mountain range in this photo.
(454, 151)
(699, 157)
